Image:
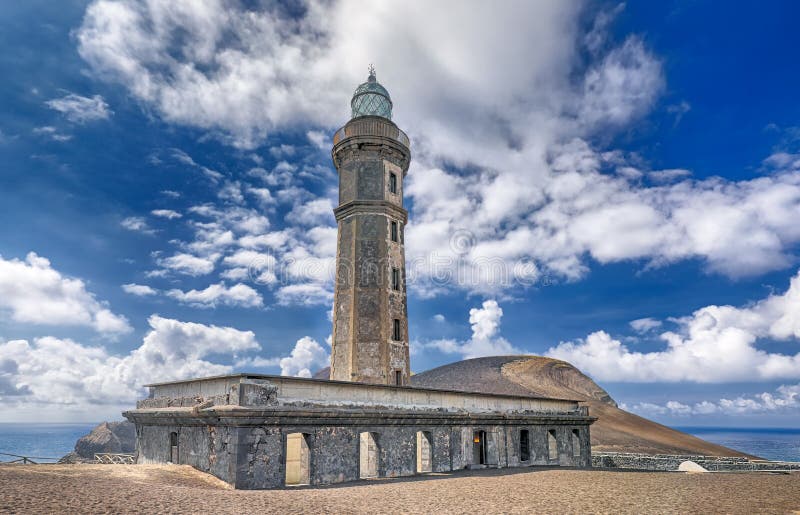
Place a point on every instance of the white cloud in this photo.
(715, 344)
(439, 317)
(643, 325)
(785, 399)
(624, 85)
(307, 357)
(304, 294)
(540, 197)
(485, 341)
(166, 213)
(189, 264)
(54, 373)
(79, 109)
(320, 139)
(33, 292)
(137, 224)
(237, 295)
(52, 133)
(140, 290)
(312, 213)
(665, 176)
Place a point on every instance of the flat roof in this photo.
(353, 383)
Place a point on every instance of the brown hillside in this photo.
(616, 430)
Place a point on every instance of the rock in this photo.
(71, 459)
(115, 437)
(691, 467)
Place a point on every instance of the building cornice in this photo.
(370, 207)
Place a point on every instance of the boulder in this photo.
(691, 467)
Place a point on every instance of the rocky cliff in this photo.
(112, 437)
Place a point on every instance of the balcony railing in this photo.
(371, 126)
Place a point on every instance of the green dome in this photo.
(371, 99)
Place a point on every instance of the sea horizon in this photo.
(55, 439)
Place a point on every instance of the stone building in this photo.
(260, 431)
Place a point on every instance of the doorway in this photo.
(479, 448)
(298, 470)
(173, 448)
(424, 446)
(368, 455)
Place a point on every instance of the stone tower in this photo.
(370, 321)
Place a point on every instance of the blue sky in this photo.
(168, 165)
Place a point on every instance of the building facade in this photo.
(258, 432)
(370, 316)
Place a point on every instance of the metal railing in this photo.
(109, 458)
(371, 126)
(25, 460)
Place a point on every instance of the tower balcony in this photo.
(371, 126)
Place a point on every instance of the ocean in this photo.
(40, 440)
(56, 440)
(771, 444)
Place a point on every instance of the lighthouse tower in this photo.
(370, 318)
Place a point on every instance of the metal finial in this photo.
(372, 72)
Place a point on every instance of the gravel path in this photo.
(181, 489)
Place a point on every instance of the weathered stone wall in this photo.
(254, 457)
(670, 462)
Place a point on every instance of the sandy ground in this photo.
(181, 489)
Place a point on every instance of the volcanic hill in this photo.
(616, 430)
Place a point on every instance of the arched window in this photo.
(424, 452)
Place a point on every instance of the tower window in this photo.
(398, 377)
(396, 330)
(393, 183)
(395, 278)
(394, 231)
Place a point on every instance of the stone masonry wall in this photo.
(255, 457)
(670, 462)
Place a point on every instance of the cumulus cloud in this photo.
(32, 291)
(137, 224)
(714, 344)
(485, 340)
(239, 295)
(307, 357)
(140, 290)
(542, 196)
(79, 109)
(53, 372)
(190, 264)
(166, 213)
(643, 325)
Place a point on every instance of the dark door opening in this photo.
(479, 448)
(524, 446)
(173, 447)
